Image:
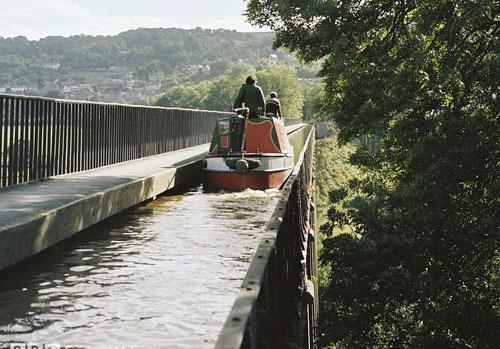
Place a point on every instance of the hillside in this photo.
(133, 65)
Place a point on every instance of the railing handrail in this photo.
(244, 308)
(45, 137)
(76, 101)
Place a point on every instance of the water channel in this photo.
(160, 275)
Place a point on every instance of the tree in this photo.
(314, 97)
(54, 94)
(222, 92)
(184, 96)
(219, 93)
(422, 269)
(283, 80)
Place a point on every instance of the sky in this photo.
(36, 19)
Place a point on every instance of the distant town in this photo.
(114, 84)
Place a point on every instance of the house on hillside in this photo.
(19, 90)
(52, 66)
(152, 88)
(52, 86)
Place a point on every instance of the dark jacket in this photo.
(252, 96)
(273, 106)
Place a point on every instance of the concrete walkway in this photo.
(21, 203)
(37, 215)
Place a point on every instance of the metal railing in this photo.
(277, 303)
(41, 137)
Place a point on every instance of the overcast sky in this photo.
(40, 18)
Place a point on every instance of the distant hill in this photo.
(141, 51)
(146, 59)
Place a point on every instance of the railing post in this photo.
(41, 137)
(2, 127)
(284, 307)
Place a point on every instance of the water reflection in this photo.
(161, 275)
(298, 139)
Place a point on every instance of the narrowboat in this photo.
(248, 153)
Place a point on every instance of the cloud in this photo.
(59, 17)
(40, 18)
(43, 16)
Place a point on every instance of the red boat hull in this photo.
(241, 181)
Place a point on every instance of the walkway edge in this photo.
(24, 240)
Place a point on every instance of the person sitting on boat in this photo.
(273, 106)
(251, 95)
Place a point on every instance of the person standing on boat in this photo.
(252, 96)
(273, 106)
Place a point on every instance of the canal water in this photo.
(160, 275)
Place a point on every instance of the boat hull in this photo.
(248, 154)
(240, 181)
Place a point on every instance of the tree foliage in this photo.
(283, 80)
(192, 96)
(422, 77)
(174, 52)
(314, 97)
(219, 93)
